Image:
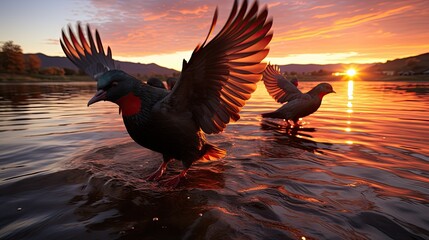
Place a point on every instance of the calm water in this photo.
(358, 169)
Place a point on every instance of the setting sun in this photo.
(351, 72)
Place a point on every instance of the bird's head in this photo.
(322, 89)
(111, 86)
(116, 86)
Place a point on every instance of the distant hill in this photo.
(307, 68)
(417, 64)
(129, 67)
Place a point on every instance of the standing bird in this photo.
(220, 76)
(171, 81)
(298, 104)
(155, 82)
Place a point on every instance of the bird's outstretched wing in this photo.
(281, 89)
(222, 74)
(87, 56)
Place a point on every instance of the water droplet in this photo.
(155, 219)
(19, 209)
(188, 198)
(200, 214)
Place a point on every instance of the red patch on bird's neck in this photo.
(129, 104)
(321, 94)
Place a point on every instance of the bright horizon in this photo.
(166, 32)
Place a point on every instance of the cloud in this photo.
(342, 23)
(322, 7)
(363, 18)
(152, 27)
(325, 15)
(155, 29)
(51, 41)
(196, 11)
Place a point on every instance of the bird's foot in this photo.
(158, 173)
(175, 181)
(296, 124)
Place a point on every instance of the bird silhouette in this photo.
(155, 82)
(171, 81)
(213, 86)
(298, 104)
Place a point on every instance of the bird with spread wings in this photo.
(213, 87)
(297, 104)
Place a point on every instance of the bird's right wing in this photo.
(300, 106)
(279, 87)
(87, 56)
(222, 73)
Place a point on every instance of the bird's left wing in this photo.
(281, 89)
(222, 74)
(87, 56)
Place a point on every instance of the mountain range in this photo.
(418, 63)
(129, 67)
(308, 68)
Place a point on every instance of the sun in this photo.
(351, 72)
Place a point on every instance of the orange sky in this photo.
(165, 32)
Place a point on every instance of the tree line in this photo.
(14, 61)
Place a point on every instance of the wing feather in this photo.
(222, 73)
(86, 54)
(279, 87)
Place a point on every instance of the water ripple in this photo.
(356, 169)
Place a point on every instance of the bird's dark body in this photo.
(214, 85)
(310, 105)
(172, 133)
(297, 104)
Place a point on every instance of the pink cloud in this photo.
(325, 15)
(346, 27)
(141, 28)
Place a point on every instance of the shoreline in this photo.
(32, 78)
(365, 78)
(35, 78)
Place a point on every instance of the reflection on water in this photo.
(356, 169)
(349, 107)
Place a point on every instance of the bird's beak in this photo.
(333, 91)
(99, 95)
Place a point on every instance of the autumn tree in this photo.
(11, 58)
(33, 63)
(52, 71)
(69, 71)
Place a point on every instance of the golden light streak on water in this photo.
(350, 89)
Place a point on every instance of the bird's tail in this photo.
(212, 152)
(271, 115)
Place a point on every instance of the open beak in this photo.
(99, 95)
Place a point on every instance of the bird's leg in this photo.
(174, 181)
(158, 173)
(287, 123)
(295, 123)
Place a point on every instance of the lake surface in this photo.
(357, 169)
